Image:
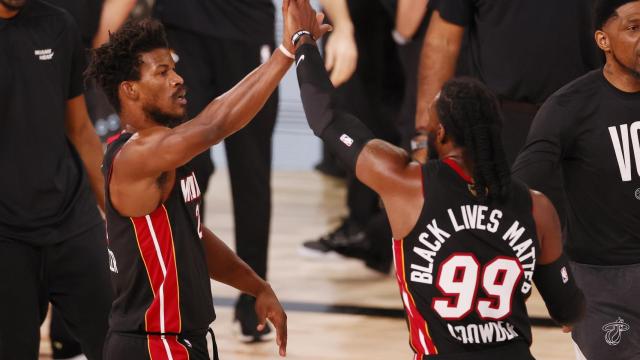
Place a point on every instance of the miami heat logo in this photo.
(613, 331)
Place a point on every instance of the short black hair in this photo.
(471, 117)
(604, 10)
(119, 60)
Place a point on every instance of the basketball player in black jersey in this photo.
(469, 241)
(161, 255)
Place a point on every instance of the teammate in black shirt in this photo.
(163, 256)
(52, 244)
(590, 130)
(468, 240)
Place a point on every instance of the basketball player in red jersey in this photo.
(161, 256)
(469, 240)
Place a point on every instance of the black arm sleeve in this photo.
(344, 134)
(564, 300)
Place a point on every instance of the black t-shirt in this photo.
(44, 192)
(525, 50)
(591, 130)
(466, 268)
(247, 20)
(86, 14)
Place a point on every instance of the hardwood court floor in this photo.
(306, 205)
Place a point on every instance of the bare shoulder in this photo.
(141, 145)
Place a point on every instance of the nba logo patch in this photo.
(346, 139)
(565, 275)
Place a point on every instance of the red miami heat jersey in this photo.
(158, 265)
(466, 269)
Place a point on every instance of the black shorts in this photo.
(128, 346)
(611, 326)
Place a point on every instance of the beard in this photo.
(13, 5)
(628, 69)
(164, 118)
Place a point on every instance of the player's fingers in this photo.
(325, 28)
(338, 73)
(329, 58)
(262, 319)
(279, 321)
(320, 18)
(285, 6)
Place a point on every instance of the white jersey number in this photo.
(458, 279)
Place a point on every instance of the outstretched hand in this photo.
(299, 15)
(341, 55)
(268, 307)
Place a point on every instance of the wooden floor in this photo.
(306, 205)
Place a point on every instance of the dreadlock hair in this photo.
(120, 58)
(470, 115)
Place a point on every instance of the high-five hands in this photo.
(299, 15)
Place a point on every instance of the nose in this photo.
(176, 80)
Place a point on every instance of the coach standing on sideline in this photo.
(590, 129)
(52, 244)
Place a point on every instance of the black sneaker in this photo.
(246, 322)
(348, 240)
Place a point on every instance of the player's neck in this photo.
(6, 13)
(459, 157)
(620, 77)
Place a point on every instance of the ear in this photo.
(129, 90)
(602, 39)
(441, 135)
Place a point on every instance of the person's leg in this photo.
(79, 288)
(610, 328)
(249, 163)
(23, 304)
(63, 344)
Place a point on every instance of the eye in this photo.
(633, 27)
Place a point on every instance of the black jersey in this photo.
(158, 265)
(466, 269)
(590, 129)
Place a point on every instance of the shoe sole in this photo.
(318, 255)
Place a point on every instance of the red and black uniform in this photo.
(466, 269)
(163, 305)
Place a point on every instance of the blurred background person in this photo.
(373, 92)
(51, 232)
(522, 50)
(95, 19)
(217, 43)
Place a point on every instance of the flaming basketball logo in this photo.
(613, 331)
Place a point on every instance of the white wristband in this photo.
(286, 52)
